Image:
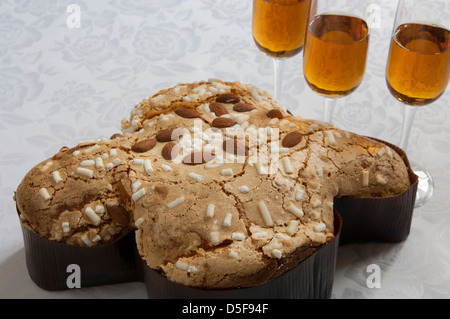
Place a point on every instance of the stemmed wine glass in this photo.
(279, 31)
(418, 67)
(335, 52)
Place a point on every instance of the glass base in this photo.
(425, 188)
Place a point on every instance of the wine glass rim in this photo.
(340, 13)
(344, 15)
(394, 36)
(283, 5)
(424, 22)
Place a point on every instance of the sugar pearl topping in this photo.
(295, 211)
(57, 177)
(277, 253)
(227, 220)
(99, 162)
(233, 255)
(85, 172)
(381, 180)
(148, 166)
(196, 177)
(214, 236)
(87, 163)
(320, 227)
(66, 227)
(292, 227)
(238, 236)
(210, 211)
(44, 193)
(227, 172)
(331, 138)
(91, 149)
(46, 167)
(181, 265)
(139, 222)
(100, 209)
(86, 240)
(177, 202)
(267, 217)
(92, 216)
(365, 178)
(287, 165)
(139, 194)
(244, 189)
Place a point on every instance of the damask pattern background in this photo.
(61, 85)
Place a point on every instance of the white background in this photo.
(60, 86)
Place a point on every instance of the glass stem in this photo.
(408, 119)
(278, 67)
(328, 110)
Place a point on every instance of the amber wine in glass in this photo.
(338, 43)
(418, 67)
(335, 52)
(279, 28)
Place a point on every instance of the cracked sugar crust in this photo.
(223, 187)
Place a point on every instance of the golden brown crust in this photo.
(228, 218)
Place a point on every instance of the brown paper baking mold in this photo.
(358, 220)
(378, 219)
(47, 262)
(310, 279)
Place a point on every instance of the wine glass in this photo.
(418, 67)
(335, 52)
(279, 31)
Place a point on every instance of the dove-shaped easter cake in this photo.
(222, 186)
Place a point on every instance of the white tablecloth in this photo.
(61, 85)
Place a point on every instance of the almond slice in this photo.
(292, 139)
(171, 134)
(170, 151)
(243, 107)
(275, 114)
(223, 122)
(119, 214)
(218, 109)
(228, 98)
(188, 113)
(144, 146)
